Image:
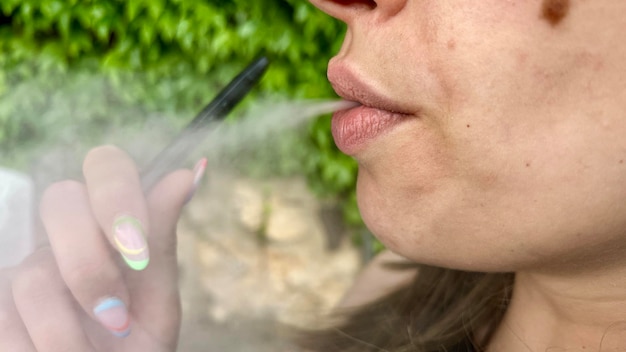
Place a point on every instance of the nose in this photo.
(348, 10)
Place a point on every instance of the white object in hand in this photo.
(16, 217)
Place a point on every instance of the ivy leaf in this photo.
(52, 9)
(63, 25)
(155, 8)
(168, 26)
(8, 6)
(147, 34)
(133, 7)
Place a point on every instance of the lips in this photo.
(353, 129)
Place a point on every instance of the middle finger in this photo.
(118, 202)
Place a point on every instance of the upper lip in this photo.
(348, 86)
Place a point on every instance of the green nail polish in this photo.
(130, 240)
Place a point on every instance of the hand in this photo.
(108, 281)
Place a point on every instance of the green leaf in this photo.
(64, 23)
(168, 26)
(155, 8)
(103, 31)
(26, 10)
(52, 8)
(133, 7)
(8, 6)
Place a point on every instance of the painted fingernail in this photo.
(130, 240)
(113, 315)
(198, 171)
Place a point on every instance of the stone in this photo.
(249, 204)
(290, 276)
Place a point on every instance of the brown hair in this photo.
(439, 310)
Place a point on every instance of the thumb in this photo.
(165, 203)
(154, 297)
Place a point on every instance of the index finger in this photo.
(118, 202)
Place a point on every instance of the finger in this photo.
(165, 204)
(13, 333)
(46, 307)
(83, 256)
(154, 292)
(118, 203)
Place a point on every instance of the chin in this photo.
(461, 245)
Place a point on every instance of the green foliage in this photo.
(165, 56)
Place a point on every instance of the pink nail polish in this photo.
(198, 171)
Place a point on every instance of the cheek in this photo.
(411, 159)
(545, 195)
(503, 197)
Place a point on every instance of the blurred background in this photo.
(273, 237)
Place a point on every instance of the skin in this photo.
(512, 157)
(47, 302)
(554, 11)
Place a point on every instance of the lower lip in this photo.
(354, 128)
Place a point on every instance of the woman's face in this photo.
(493, 132)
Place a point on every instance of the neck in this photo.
(565, 312)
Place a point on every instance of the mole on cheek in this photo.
(554, 11)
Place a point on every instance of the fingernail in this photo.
(131, 242)
(198, 171)
(113, 315)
